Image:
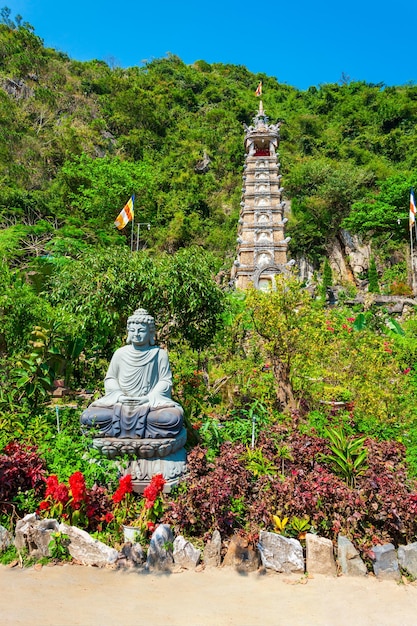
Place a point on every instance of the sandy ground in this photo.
(72, 595)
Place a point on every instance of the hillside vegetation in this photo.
(78, 138)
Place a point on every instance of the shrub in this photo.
(21, 470)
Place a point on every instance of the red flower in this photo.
(407, 370)
(125, 486)
(109, 517)
(350, 319)
(152, 491)
(51, 485)
(44, 505)
(57, 491)
(78, 489)
(61, 493)
(151, 526)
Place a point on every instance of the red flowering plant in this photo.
(75, 504)
(124, 502)
(141, 514)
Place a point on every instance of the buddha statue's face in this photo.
(138, 334)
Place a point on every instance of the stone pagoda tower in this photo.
(262, 246)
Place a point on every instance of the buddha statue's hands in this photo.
(133, 399)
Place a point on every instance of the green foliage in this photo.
(9, 555)
(373, 277)
(257, 464)
(348, 457)
(327, 277)
(384, 211)
(58, 547)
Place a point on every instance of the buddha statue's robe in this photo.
(136, 373)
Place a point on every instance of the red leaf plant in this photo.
(21, 469)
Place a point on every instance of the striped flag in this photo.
(412, 209)
(258, 91)
(126, 214)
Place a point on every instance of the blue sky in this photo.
(300, 43)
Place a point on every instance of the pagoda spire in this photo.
(262, 244)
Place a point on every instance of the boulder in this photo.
(407, 557)
(212, 551)
(319, 555)
(87, 550)
(385, 562)
(22, 529)
(280, 553)
(160, 549)
(185, 554)
(348, 558)
(5, 539)
(35, 535)
(241, 555)
(131, 555)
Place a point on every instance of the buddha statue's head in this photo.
(141, 328)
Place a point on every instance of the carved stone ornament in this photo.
(113, 447)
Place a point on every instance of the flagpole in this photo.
(413, 280)
(412, 221)
(132, 234)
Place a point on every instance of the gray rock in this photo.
(40, 536)
(212, 550)
(185, 554)
(241, 555)
(160, 549)
(407, 557)
(35, 535)
(280, 553)
(348, 558)
(131, 555)
(87, 550)
(5, 539)
(319, 555)
(385, 562)
(22, 529)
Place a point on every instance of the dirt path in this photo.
(81, 596)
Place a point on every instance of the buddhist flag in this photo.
(126, 214)
(412, 209)
(258, 91)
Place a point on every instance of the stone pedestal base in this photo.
(147, 457)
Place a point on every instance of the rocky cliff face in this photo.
(349, 257)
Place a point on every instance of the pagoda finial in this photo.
(261, 108)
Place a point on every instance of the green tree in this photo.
(278, 318)
(373, 286)
(327, 277)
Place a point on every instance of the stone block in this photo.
(280, 553)
(87, 550)
(160, 549)
(407, 557)
(385, 562)
(319, 555)
(212, 551)
(348, 558)
(185, 554)
(241, 556)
